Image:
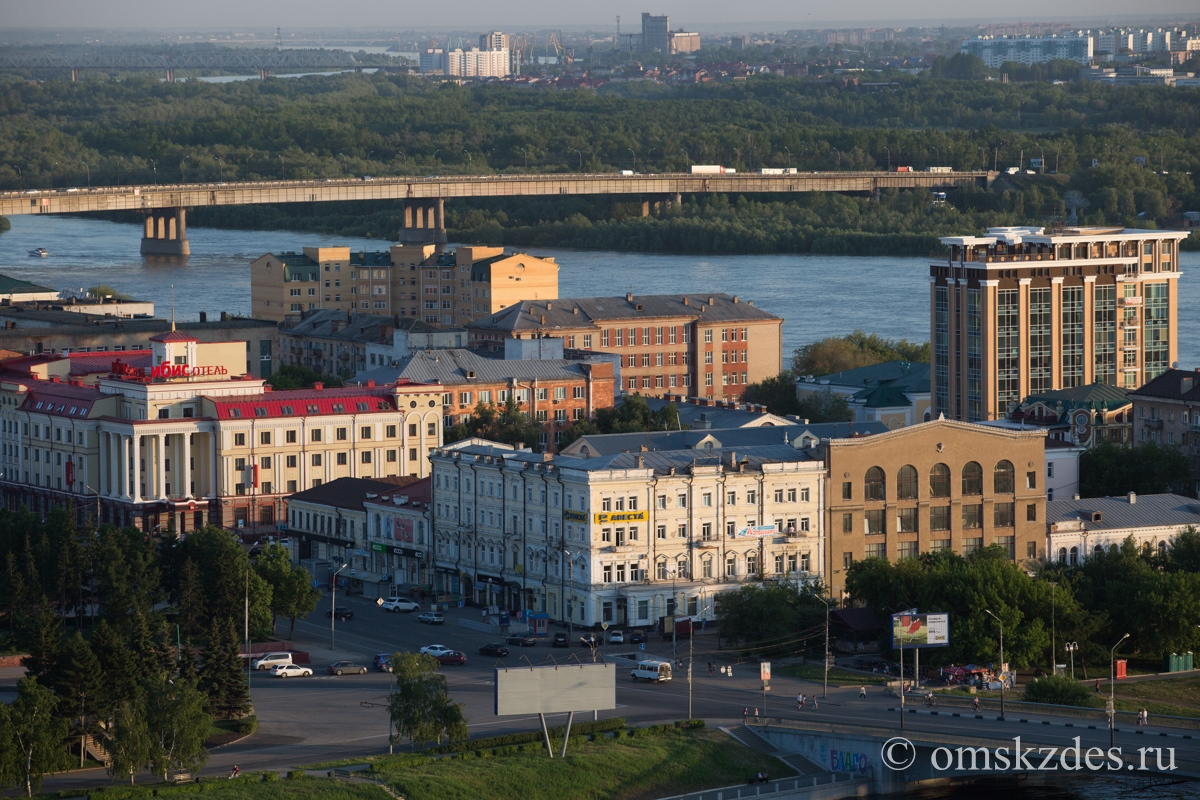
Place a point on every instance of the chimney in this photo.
(204, 316)
(733, 459)
(543, 319)
(549, 307)
(643, 448)
(641, 462)
(1133, 498)
(685, 301)
(318, 386)
(710, 301)
(575, 311)
(370, 384)
(629, 297)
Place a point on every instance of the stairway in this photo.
(95, 747)
(750, 737)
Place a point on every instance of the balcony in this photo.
(1152, 424)
(1019, 258)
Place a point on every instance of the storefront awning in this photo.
(367, 577)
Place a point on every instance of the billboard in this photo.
(555, 689)
(758, 530)
(921, 630)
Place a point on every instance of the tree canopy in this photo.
(420, 705)
(854, 350)
(1113, 470)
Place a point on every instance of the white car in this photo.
(616, 637)
(436, 650)
(291, 671)
(400, 605)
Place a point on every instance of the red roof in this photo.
(173, 336)
(101, 363)
(60, 399)
(305, 402)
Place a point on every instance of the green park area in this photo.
(247, 787)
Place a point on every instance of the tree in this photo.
(1112, 470)
(292, 592)
(854, 350)
(129, 746)
(824, 407)
(773, 619)
(508, 424)
(118, 666)
(104, 290)
(297, 376)
(1058, 690)
(777, 393)
(222, 678)
(40, 637)
(1184, 553)
(176, 725)
(78, 683)
(420, 706)
(36, 736)
(190, 601)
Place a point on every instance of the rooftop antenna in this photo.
(172, 308)
(278, 38)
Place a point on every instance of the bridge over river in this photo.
(165, 205)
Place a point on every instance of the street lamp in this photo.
(789, 152)
(825, 689)
(97, 523)
(1112, 682)
(1071, 647)
(153, 166)
(1053, 598)
(526, 152)
(89, 173)
(21, 174)
(333, 604)
(1002, 681)
(580, 160)
(119, 160)
(630, 149)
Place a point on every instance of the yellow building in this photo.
(284, 285)
(1020, 312)
(186, 438)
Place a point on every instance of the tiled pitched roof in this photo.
(350, 492)
(17, 286)
(458, 367)
(61, 399)
(305, 402)
(1170, 384)
(101, 363)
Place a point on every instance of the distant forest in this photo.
(1144, 144)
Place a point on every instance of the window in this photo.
(939, 481)
(316, 459)
(706, 531)
(1003, 478)
(779, 495)
(876, 550)
(907, 520)
(847, 560)
(731, 498)
(266, 462)
(1031, 512)
(972, 479)
(239, 464)
(1009, 543)
(681, 501)
(751, 497)
(906, 483)
(906, 550)
(972, 516)
(315, 434)
(847, 490)
(1031, 550)
(239, 440)
(1031, 479)
(730, 561)
(1004, 515)
(661, 531)
(706, 499)
(938, 545)
(289, 437)
(939, 518)
(661, 501)
(847, 523)
(874, 484)
(291, 462)
(342, 459)
(972, 545)
(366, 456)
(875, 521)
(264, 437)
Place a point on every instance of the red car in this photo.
(453, 658)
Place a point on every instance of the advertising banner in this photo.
(921, 630)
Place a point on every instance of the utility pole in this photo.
(249, 660)
(1002, 680)
(690, 662)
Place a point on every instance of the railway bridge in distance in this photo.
(165, 205)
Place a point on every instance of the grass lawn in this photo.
(816, 672)
(245, 788)
(1175, 696)
(647, 765)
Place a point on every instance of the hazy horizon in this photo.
(312, 16)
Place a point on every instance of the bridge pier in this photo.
(170, 75)
(424, 222)
(74, 74)
(166, 233)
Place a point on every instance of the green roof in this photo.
(1091, 395)
(16, 286)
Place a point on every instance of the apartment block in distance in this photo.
(939, 485)
(1022, 311)
(409, 280)
(709, 346)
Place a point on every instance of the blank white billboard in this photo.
(556, 689)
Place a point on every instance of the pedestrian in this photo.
(756, 712)
(799, 701)
(862, 692)
(745, 714)
(802, 700)
(712, 669)
(1097, 686)
(815, 706)
(976, 705)
(1146, 717)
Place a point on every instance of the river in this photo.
(817, 296)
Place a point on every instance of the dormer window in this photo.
(259, 411)
(235, 412)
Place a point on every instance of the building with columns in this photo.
(1023, 311)
(183, 437)
(624, 538)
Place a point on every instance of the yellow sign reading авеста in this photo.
(621, 516)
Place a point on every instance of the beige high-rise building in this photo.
(1023, 311)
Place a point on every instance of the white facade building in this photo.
(622, 539)
(476, 63)
(996, 50)
(1079, 529)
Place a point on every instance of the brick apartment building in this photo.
(698, 345)
(1166, 411)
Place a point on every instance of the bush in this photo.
(295, 774)
(1058, 690)
(689, 724)
(247, 725)
(270, 777)
(534, 737)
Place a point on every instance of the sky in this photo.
(480, 14)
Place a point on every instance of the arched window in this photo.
(1162, 548)
(906, 483)
(875, 489)
(1074, 556)
(972, 478)
(1003, 478)
(1099, 551)
(939, 481)
(1062, 555)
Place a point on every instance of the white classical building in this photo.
(622, 539)
(1079, 529)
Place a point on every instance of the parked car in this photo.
(652, 669)
(291, 671)
(637, 636)
(521, 640)
(616, 637)
(588, 640)
(340, 667)
(399, 605)
(255, 551)
(435, 650)
(452, 657)
(382, 662)
(560, 640)
(432, 618)
(342, 614)
(269, 660)
(494, 649)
